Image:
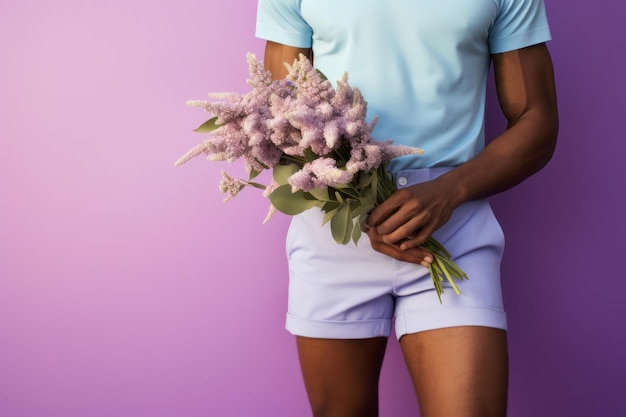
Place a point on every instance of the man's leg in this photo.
(459, 371)
(341, 376)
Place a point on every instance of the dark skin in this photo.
(526, 93)
(458, 371)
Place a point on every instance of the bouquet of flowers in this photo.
(316, 140)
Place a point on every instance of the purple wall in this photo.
(128, 289)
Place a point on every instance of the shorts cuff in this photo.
(439, 318)
(334, 329)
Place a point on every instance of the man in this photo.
(423, 67)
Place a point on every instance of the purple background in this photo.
(128, 289)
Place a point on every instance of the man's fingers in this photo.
(415, 239)
(387, 209)
(379, 215)
(414, 254)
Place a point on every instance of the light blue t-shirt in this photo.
(422, 65)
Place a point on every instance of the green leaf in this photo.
(309, 155)
(375, 183)
(356, 233)
(291, 203)
(341, 225)
(361, 222)
(253, 174)
(328, 216)
(320, 194)
(207, 126)
(281, 173)
(365, 179)
(349, 229)
(358, 211)
(321, 74)
(330, 209)
(330, 205)
(368, 206)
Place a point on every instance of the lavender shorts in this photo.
(353, 292)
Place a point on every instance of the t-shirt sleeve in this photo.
(281, 21)
(520, 23)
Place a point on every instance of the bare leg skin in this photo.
(341, 376)
(459, 371)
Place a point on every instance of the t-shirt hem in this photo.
(295, 40)
(521, 40)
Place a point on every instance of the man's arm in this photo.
(527, 96)
(276, 55)
(526, 93)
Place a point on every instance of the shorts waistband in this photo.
(414, 176)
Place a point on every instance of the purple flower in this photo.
(231, 186)
(299, 120)
(320, 173)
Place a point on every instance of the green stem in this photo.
(295, 159)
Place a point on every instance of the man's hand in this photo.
(408, 218)
(415, 255)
